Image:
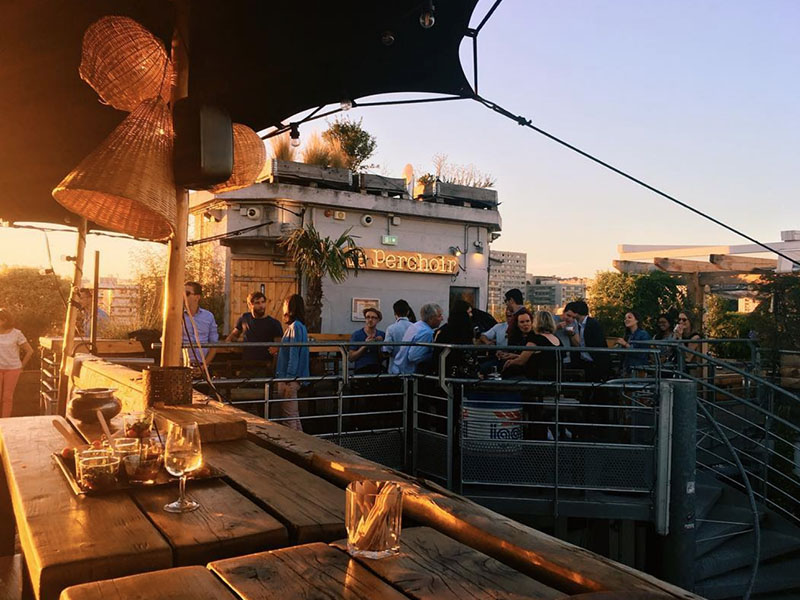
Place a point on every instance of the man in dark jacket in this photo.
(590, 334)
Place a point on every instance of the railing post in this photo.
(678, 546)
(450, 435)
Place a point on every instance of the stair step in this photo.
(720, 526)
(738, 552)
(707, 496)
(782, 575)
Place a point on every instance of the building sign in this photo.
(409, 262)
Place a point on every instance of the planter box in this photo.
(378, 184)
(460, 195)
(297, 172)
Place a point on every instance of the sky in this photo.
(698, 98)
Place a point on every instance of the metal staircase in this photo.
(747, 505)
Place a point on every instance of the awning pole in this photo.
(67, 345)
(176, 267)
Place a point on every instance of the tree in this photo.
(317, 257)
(356, 143)
(614, 294)
(36, 301)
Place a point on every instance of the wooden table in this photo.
(68, 539)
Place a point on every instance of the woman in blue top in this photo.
(635, 337)
(292, 361)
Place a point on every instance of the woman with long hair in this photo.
(685, 330)
(292, 361)
(635, 337)
(538, 330)
(12, 342)
(665, 333)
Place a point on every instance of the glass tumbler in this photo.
(373, 515)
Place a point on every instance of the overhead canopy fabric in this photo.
(262, 61)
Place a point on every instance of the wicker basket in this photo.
(249, 158)
(167, 385)
(124, 63)
(126, 183)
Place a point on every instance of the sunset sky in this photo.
(699, 98)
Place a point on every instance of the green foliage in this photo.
(724, 321)
(777, 318)
(35, 300)
(317, 257)
(202, 265)
(356, 143)
(614, 294)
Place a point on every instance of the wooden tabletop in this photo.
(310, 571)
(183, 583)
(432, 566)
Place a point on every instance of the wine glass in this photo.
(182, 454)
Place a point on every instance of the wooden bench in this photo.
(182, 583)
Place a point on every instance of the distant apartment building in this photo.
(119, 298)
(506, 271)
(550, 292)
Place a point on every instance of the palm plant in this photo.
(317, 257)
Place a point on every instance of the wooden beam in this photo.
(723, 278)
(648, 252)
(67, 346)
(172, 337)
(679, 265)
(633, 267)
(743, 263)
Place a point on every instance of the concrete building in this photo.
(551, 293)
(423, 250)
(119, 298)
(506, 271)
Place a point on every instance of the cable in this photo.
(229, 234)
(520, 120)
(52, 271)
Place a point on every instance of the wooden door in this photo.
(278, 281)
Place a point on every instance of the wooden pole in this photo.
(67, 344)
(95, 302)
(172, 337)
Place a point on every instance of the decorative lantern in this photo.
(124, 63)
(249, 157)
(126, 183)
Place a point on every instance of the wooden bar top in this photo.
(182, 583)
(312, 508)
(432, 566)
(310, 571)
(70, 539)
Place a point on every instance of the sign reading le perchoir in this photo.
(409, 262)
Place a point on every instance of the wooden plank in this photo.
(312, 508)
(633, 266)
(723, 278)
(310, 571)
(110, 347)
(547, 559)
(90, 372)
(226, 524)
(182, 583)
(106, 536)
(215, 425)
(679, 265)
(743, 263)
(432, 566)
(278, 169)
(379, 183)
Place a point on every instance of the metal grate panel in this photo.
(384, 447)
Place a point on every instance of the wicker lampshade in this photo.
(124, 63)
(249, 156)
(126, 183)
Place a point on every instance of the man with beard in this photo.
(257, 326)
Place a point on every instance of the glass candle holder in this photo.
(144, 466)
(126, 446)
(373, 515)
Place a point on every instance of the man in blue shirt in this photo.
(396, 331)
(367, 359)
(199, 326)
(409, 358)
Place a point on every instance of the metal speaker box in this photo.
(203, 144)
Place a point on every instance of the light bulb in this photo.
(294, 135)
(346, 104)
(387, 38)
(426, 19)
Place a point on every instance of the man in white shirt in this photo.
(408, 358)
(498, 334)
(396, 331)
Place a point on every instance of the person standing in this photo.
(292, 361)
(409, 358)
(256, 326)
(86, 299)
(589, 334)
(635, 337)
(11, 365)
(367, 359)
(396, 331)
(199, 326)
